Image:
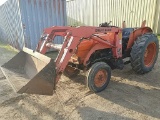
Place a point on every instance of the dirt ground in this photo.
(129, 96)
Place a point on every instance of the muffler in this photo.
(31, 72)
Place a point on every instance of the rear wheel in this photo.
(70, 72)
(98, 76)
(144, 53)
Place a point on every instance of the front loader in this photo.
(95, 50)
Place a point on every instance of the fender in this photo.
(96, 47)
(135, 34)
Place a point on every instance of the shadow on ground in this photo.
(26, 107)
(135, 98)
(140, 93)
(88, 113)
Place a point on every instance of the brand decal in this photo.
(102, 30)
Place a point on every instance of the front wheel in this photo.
(98, 76)
(144, 53)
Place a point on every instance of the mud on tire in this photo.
(144, 53)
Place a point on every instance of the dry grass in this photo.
(7, 47)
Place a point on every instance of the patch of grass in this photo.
(7, 47)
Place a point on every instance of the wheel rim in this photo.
(150, 54)
(100, 78)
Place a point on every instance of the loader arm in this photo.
(34, 73)
(75, 36)
(48, 36)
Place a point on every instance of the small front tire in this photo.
(98, 76)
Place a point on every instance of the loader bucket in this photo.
(31, 72)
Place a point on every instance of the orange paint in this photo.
(150, 54)
(83, 49)
(135, 34)
(86, 45)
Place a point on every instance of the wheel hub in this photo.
(100, 78)
(150, 54)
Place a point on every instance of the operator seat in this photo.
(125, 37)
(126, 32)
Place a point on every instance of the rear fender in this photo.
(135, 34)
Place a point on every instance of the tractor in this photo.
(93, 50)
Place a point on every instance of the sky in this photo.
(2, 1)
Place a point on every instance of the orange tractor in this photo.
(95, 50)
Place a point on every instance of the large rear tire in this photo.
(98, 76)
(144, 53)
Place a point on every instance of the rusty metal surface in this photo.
(31, 73)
